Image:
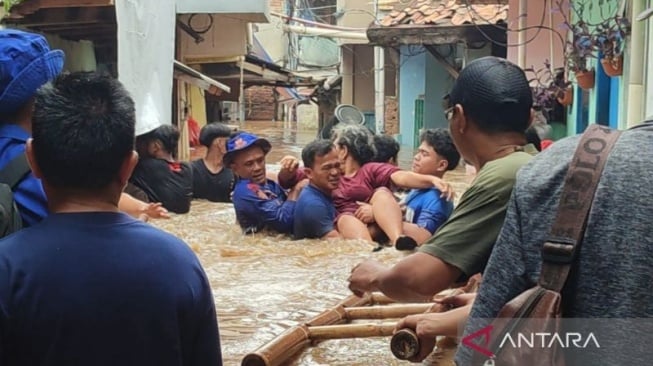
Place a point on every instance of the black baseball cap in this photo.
(492, 88)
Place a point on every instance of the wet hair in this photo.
(440, 140)
(316, 148)
(168, 135)
(212, 131)
(358, 140)
(386, 148)
(83, 130)
(533, 138)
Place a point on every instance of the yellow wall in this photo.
(197, 105)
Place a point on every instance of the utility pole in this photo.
(379, 81)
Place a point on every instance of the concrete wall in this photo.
(412, 84)
(546, 44)
(438, 84)
(356, 14)
(249, 10)
(364, 78)
(272, 36)
(80, 56)
(347, 72)
(648, 111)
(227, 38)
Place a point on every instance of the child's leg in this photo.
(387, 213)
(420, 234)
(352, 228)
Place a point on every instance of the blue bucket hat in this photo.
(242, 141)
(26, 63)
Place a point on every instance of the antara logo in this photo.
(530, 340)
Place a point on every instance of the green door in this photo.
(419, 120)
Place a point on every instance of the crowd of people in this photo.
(88, 282)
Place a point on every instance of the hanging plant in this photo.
(549, 87)
(610, 38)
(8, 4)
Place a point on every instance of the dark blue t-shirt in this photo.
(260, 206)
(314, 214)
(427, 209)
(103, 289)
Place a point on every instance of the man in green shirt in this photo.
(489, 110)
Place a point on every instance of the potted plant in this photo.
(610, 38)
(581, 46)
(549, 86)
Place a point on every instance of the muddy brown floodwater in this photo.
(265, 284)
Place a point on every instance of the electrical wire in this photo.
(489, 22)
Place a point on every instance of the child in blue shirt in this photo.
(426, 210)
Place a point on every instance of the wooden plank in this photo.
(30, 6)
(432, 35)
(68, 16)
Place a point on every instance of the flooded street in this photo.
(265, 284)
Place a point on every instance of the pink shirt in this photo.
(361, 186)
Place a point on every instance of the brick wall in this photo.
(391, 116)
(259, 103)
(276, 5)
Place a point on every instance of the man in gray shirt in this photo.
(612, 275)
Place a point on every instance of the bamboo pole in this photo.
(385, 311)
(351, 331)
(279, 349)
(404, 344)
(380, 298)
(295, 339)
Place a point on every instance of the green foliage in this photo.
(9, 3)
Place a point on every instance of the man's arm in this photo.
(277, 216)
(136, 207)
(415, 278)
(407, 179)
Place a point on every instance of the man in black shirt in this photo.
(159, 174)
(211, 179)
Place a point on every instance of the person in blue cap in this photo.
(259, 202)
(26, 64)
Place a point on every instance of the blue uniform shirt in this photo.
(254, 212)
(103, 289)
(314, 214)
(427, 209)
(28, 193)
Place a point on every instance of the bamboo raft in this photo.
(332, 324)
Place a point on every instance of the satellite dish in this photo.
(344, 113)
(347, 113)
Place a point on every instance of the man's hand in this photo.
(155, 211)
(445, 188)
(289, 163)
(364, 212)
(363, 276)
(426, 327)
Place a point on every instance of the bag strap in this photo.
(15, 170)
(582, 178)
